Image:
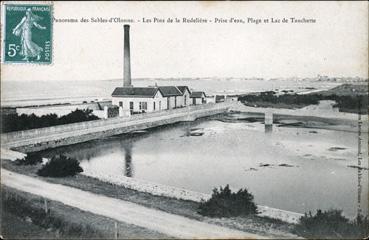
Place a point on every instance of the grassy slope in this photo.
(347, 90)
(254, 224)
(15, 227)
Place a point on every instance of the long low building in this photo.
(151, 99)
(132, 99)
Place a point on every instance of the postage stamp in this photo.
(27, 33)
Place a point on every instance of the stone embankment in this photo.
(313, 113)
(50, 137)
(184, 194)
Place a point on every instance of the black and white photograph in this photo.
(184, 120)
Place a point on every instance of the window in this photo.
(154, 106)
(160, 105)
(185, 100)
(143, 105)
(120, 104)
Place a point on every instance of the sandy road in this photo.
(166, 223)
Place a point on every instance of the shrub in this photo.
(225, 203)
(78, 116)
(332, 224)
(60, 166)
(15, 122)
(344, 103)
(30, 159)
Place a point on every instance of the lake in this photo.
(291, 168)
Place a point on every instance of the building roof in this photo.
(135, 92)
(183, 89)
(197, 95)
(150, 92)
(219, 97)
(169, 91)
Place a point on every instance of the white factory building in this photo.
(150, 99)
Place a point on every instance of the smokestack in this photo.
(127, 59)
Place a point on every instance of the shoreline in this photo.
(185, 194)
(64, 100)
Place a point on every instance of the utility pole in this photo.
(115, 230)
(359, 158)
(46, 206)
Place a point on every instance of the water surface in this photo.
(292, 168)
(46, 92)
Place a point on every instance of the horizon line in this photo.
(193, 78)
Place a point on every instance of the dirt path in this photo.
(170, 224)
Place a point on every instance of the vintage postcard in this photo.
(188, 120)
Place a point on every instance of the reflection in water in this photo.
(268, 128)
(128, 169)
(187, 129)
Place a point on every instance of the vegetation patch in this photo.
(15, 122)
(60, 166)
(225, 203)
(332, 224)
(30, 159)
(345, 103)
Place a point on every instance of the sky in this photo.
(336, 45)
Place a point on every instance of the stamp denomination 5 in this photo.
(27, 34)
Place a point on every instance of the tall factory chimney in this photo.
(127, 59)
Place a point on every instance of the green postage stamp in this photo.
(27, 33)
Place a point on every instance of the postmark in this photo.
(27, 33)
